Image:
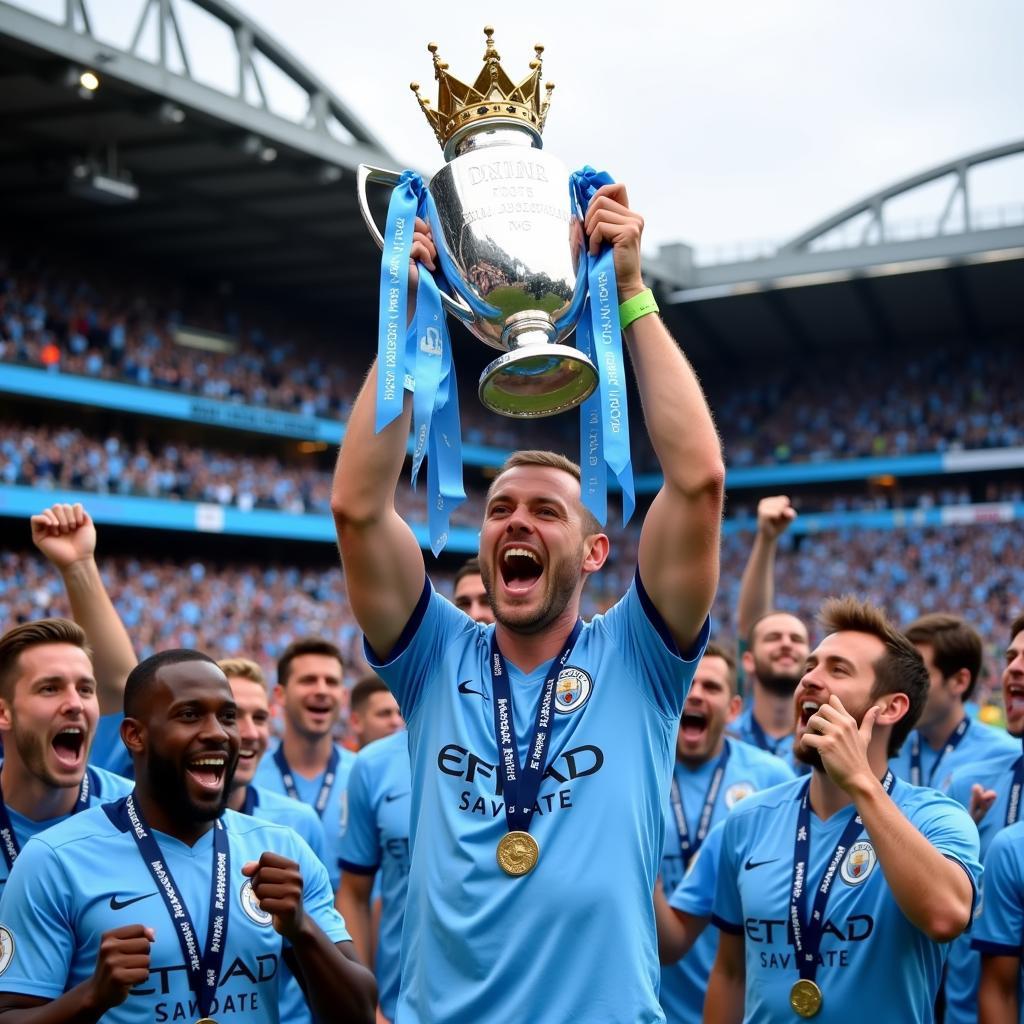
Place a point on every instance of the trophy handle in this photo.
(367, 174)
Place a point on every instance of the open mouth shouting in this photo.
(693, 725)
(1013, 698)
(206, 771)
(520, 569)
(69, 747)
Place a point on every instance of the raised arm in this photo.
(66, 535)
(383, 564)
(678, 553)
(757, 587)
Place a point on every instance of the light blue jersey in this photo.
(873, 963)
(268, 778)
(107, 750)
(747, 771)
(979, 742)
(747, 729)
(282, 810)
(477, 943)
(999, 924)
(376, 841)
(963, 973)
(63, 895)
(104, 787)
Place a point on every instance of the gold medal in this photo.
(518, 853)
(206, 1020)
(805, 998)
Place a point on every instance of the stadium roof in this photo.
(227, 187)
(861, 278)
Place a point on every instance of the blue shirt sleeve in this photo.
(360, 846)
(727, 911)
(432, 628)
(642, 638)
(951, 830)
(999, 923)
(37, 912)
(311, 828)
(695, 894)
(318, 896)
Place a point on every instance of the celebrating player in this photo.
(308, 765)
(48, 714)
(176, 910)
(836, 891)
(373, 711)
(712, 775)
(540, 746)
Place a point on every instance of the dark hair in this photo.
(1016, 626)
(767, 615)
(716, 650)
(35, 634)
(365, 689)
(307, 645)
(141, 678)
(470, 567)
(955, 645)
(899, 670)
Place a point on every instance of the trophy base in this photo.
(537, 380)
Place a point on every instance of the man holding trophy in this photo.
(541, 747)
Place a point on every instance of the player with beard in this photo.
(177, 909)
(837, 892)
(712, 774)
(511, 866)
(48, 714)
(308, 765)
(991, 790)
(946, 738)
(249, 689)
(470, 594)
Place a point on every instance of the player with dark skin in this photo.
(184, 741)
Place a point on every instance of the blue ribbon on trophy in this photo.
(604, 416)
(418, 359)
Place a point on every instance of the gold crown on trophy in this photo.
(492, 97)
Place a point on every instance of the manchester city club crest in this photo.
(252, 907)
(6, 948)
(858, 863)
(572, 690)
(737, 792)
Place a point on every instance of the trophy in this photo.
(509, 235)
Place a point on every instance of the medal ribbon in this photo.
(688, 847)
(203, 968)
(915, 752)
(805, 933)
(604, 416)
(251, 802)
(289, 779)
(419, 359)
(9, 846)
(521, 786)
(761, 739)
(1013, 799)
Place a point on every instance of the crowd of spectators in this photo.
(257, 609)
(892, 403)
(66, 457)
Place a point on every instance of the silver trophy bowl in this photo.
(512, 242)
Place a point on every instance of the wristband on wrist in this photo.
(636, 307)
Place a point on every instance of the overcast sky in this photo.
(731, 121)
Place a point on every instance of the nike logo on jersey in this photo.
(116, 904)
(392, 797)
(464, 687)
(751, 864)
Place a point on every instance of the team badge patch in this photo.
(6, 948)
(737, 792)
(251, 906)
(858, 863)
(572, 690)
